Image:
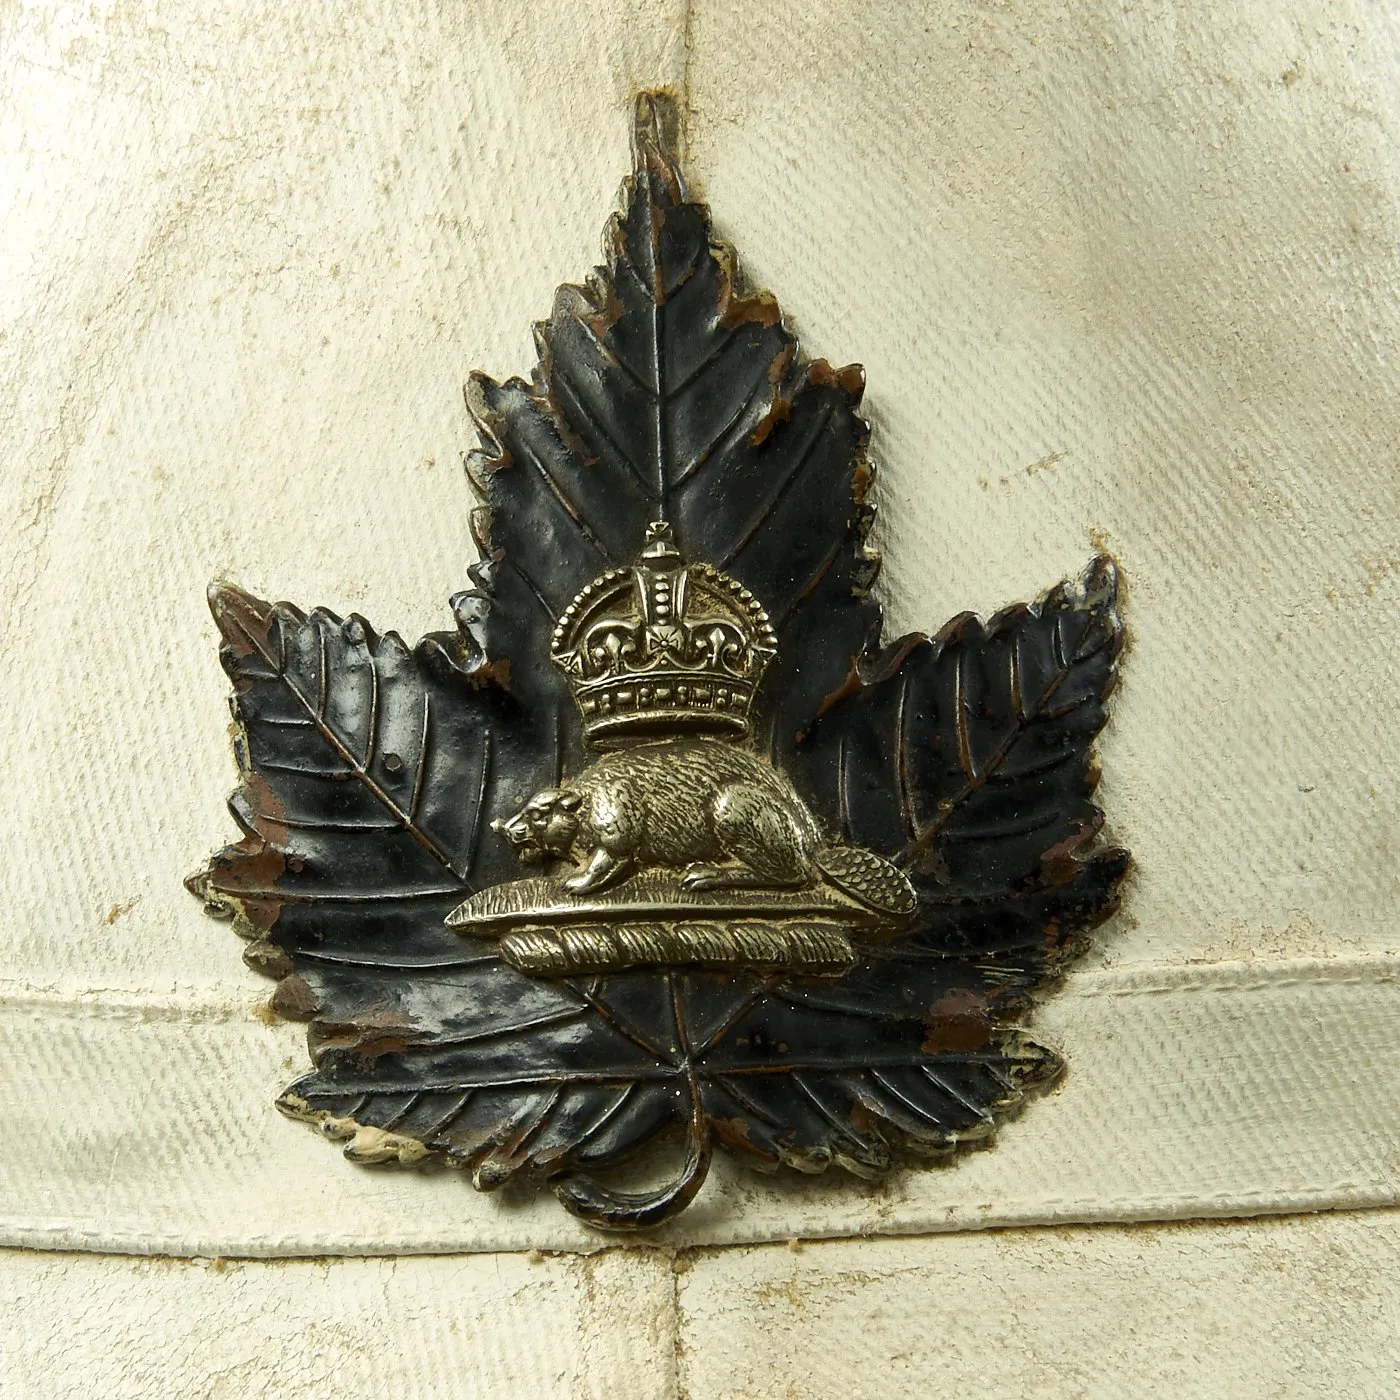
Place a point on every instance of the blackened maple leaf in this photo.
(371, 774)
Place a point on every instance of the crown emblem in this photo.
(664, 647)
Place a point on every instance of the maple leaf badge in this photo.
(661, 844)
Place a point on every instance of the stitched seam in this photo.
(1378, 970)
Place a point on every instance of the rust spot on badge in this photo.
(850, 379)
(266, 957)
(294, 999)
(734, 1132)
(959, 1020)
(242, 879)
(781, 406)
(371, 1033)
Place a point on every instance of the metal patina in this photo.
(662, 842)
(720, 862)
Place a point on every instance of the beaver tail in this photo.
(868, 878)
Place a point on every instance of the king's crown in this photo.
(663, 647)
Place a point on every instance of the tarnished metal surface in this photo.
(385, 787)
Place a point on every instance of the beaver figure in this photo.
(720, 813)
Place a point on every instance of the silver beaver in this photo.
(720, 813)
